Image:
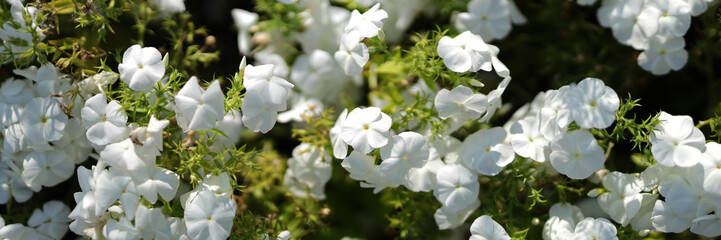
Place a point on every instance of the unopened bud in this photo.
(381, 35)
(535, 221)
(242, 66)
(593, 193)
(644, 232)
(166, 59)
(210, 41)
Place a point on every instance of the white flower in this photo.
(663, 54)
(665, 18)
(623, 200)
(18, 40)
(686, 197)
(403, 152)
(456, 187)
(597, 229)
(318, 75)
(302, 108)
(460, 103)
(170, 6)
(496, 63)
(324, 26)
(527, 140)
(464, 53)
(259, 113)
(698, 6)
(209, 216)
(593, 104)
(712, 168)
(97, 83)
(52, 220)
(352, 54)
(449, 219)
(708, 226)
(231, 126)
(677, 141)
(666, 220)
(16, 91)
(562, 221)
(19, 232)
(366, 129)
(43, 120)
(310, 166)
(105, 121)
(141, 68)
(295, 186)
(555, 115)
(47, 168)
(178, 229)
(622, 18)
(124, 155)
(491, 19)
(484, 228)
(494, 99)
(74, 142)
(154, 181)
(586, 2)
(219, 184)
(151, 223)
(367, 24)
(48, 80)
(150, 137)
(485, 152)
(244, 20)
(116, 185)
(14, 185)
(424, 179)
(340, 148)
(576, 154)
(199, 108)
(261, 79)
(360, 166)
(121, 229)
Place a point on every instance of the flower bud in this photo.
(593, 193)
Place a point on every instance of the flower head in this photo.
(141, 68)
(366, 129)
(403, 152)
(576, 154)
(199, 109)
(456, 187)
(593, 104)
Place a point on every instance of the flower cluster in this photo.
(655, 27)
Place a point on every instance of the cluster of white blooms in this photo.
(114, 193)
(308, 171)
(540, 131)
(655, 27)
(266, 95)
(567, 222)
(41, 143)
(17, 35)
(491, 19)
(328, 67)
(50, 222)
(422, 162)
(687, 176)
(352, 54)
